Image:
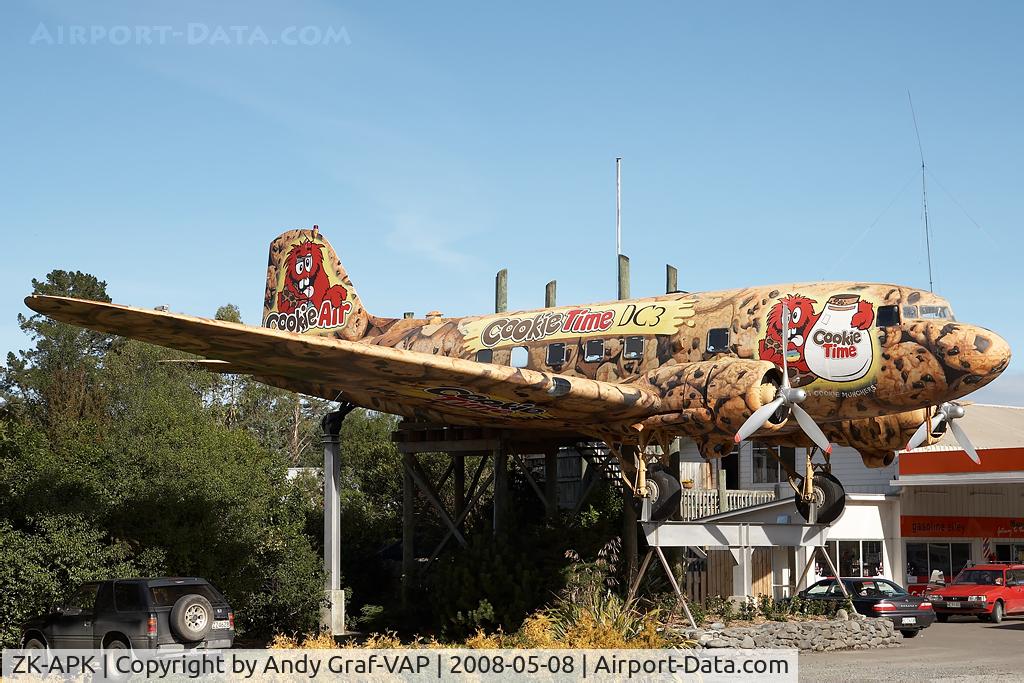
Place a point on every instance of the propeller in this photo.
(785, 396)
(947, 412)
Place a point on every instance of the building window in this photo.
(556, 353)
(718, 340)
(593, 351)
(768, 470)
(854, 558)
(485, 356)
(925, 558)
(520, 357)
(634, 348)
(1009, 552)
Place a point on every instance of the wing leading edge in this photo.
(383, 378)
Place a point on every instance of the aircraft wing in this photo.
(391, 380)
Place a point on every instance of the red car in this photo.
(987, 591)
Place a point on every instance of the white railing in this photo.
(698, 503)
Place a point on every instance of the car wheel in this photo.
(910, 633)
(663, 492)
(192, 617)
(831, 499)
(942, 618)
(997, 613)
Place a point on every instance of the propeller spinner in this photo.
(947, 412)
(790, 398)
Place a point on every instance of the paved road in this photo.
(959, 650)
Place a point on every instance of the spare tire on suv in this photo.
(191, 617)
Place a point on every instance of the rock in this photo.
(747, 643)
(804, 644)
(842, 615)
(719, 642)
(855, 627)
(717, 626)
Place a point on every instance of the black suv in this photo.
(163, 614)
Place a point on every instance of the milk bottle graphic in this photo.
(834, 349)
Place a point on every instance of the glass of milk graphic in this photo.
(834, 349)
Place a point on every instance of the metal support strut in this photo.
(332, 617)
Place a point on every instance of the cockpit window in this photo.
(935, 312)
(927, 312)
(888, 316)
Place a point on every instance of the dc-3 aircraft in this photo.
(872, 366)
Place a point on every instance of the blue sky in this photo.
(435, 143)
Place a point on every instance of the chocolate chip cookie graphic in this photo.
(912, 371)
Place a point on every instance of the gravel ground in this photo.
(961, 650)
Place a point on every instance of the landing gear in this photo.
(820, 497)
(828, 498)
(663, 492)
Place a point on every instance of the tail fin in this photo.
(308, 290)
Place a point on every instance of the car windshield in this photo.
(165, 596)
(984, 577)
(874, 588)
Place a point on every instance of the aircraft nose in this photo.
(972, 356)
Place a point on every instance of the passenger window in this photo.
(909, 312)
(888, 316)
(634, 348)
(556, 353)
(593, 351)
(718, 340)
(104, 598)
(127, 597)
(520, 357)
(485, 356)
(820, 588)
(84, 598)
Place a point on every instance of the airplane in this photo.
(876, 367)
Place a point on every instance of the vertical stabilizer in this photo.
(308, 290)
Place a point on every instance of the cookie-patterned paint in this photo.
(873, 358)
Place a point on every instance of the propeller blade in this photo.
(811, 428)
(965, 443)
(926, 428)
(757, 419)
(785, 345)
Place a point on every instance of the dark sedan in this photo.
(877, 597)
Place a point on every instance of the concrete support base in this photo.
(332, 617)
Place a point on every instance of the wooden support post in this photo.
(460, 484)
(550, 294)
(501, 291)
(623, 277)
(500, 489)
(722, 475)
(408, 528)
(551, 483)
(671, 279)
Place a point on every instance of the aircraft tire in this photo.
(664, 492)
(833, 499)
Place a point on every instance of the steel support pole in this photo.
(333, 616)
(408, 527)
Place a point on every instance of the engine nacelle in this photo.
(714, 395)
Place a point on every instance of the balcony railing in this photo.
(698, 503)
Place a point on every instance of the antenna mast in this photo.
(618, 206)
(924, 194)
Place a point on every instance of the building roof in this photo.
(988, 427)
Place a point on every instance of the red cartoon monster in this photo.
(306, 280)
(802, 319)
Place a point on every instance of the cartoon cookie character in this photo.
(802, 322)
(306, 280)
